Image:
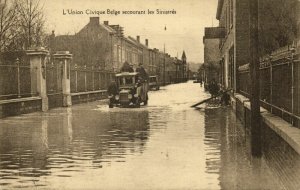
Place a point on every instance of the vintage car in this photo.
(132, 91)
(153, 82)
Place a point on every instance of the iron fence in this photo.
(15, 78)
(89, 78)
(279, 84)
(53, 77)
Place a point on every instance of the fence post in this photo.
(76, 78)
(18, 75)
(99, 81)
(271, 84)
(93, 76)
(99, 73)
(293, 85)
(38, 74)
(65, 58)
(85, 82)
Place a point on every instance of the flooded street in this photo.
(165, 145)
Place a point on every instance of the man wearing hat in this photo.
(142, 72)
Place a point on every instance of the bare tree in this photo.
(31, 23)
(8, 23)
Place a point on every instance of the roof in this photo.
(108, 28)
(126, 74)
(214, 32)
(130, 40)
(97, 26)
(138, 43)
(219, 10)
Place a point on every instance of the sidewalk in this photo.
(285, 130)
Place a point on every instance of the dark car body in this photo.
(131, 91)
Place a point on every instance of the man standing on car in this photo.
(142, 72)
(126, 67)
(143, 75)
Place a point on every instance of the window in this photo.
(231, 13)
(119, 54)
(226, 28)
(231, 67)
(128, 80)
(228, 19)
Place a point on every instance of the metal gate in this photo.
(54, 75)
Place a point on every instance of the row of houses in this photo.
(104, 45)
(227, 56)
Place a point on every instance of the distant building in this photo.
(184, 66)
(104, 46)
(92, 45)
(212, 54)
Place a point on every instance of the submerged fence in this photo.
(279, 84)
(15, 77)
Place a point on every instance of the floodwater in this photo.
(165, 145)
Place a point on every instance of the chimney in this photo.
(138, 38)
(105, 23)
(146, 42)
(95, 20)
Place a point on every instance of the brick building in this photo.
(104, 46)
(233, 16)
(92, 45)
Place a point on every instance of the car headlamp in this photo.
(136, 95)
(117, 97)
(129, 96)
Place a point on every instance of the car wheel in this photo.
(146, 102)
(137, 103)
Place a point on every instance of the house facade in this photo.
(233, 16)
(104, 46)
(212, 55)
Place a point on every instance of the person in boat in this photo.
(213, 88)
(225, 98)
(126, 67)
(201, 82)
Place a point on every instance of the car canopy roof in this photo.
(124, 74)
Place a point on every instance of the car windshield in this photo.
(125, 80)
(128, 80)
(152, 79)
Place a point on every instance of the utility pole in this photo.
(254, 76)
(164, 65)
(164, 74)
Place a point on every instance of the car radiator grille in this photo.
(123, 97)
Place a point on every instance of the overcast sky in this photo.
(185, 29)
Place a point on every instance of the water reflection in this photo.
(60, 143)
(23, 152)
(229, 155)
(162, 146)
(283, 161)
